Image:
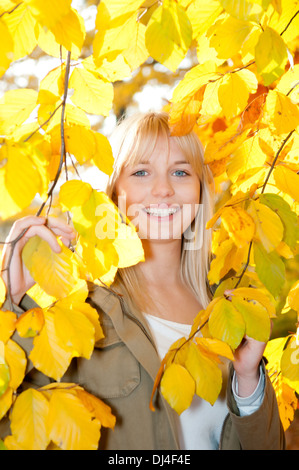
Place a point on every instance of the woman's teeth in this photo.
(161, 212)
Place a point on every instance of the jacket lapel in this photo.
(130, 327)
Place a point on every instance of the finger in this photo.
(20, 225)
(45, 234)
(55, 223)
(62, 233)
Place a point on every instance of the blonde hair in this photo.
(133, 140)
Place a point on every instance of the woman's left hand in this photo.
(246, 364)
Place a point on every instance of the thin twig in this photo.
(245, 267)
(294, 16)
(11, 11)
(275, 159)
(44, 123)
(50, 193)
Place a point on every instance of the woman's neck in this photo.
(162, 262)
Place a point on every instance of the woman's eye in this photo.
(139, 173)
(180, 173)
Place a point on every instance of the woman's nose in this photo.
(162, 187)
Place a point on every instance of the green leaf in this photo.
(2, 445)
(269, 268)
(4, 378)
(287, 216)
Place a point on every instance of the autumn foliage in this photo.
(242, 99)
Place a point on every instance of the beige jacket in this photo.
(122, 371)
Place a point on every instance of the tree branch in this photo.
(62, 151)
(50, 193)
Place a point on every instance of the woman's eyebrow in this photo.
(179, 162)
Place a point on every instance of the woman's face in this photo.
(160, 196)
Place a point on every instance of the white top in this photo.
(199, 426)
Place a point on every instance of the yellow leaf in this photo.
(69, 31)
(11, 443)
(21, 25)
(293, 297)
(2, 292)
(193, 80)
(205, 372)
(287, 181)
(119, 35)
(91, 94)
(30, 323)
(6, 48)
(15, 107)
(49, 13)
(270, 55)
(4, 371)
(256, 318)
(248, 156)
(211, 105)
(49, 354)
(6, 402)
(128, 246)
(288, 84)
(70, 424)
(20, 178)
(80, 142)
(269, 228)
(91, 314)
(227, 256)
(52, 84)
(223, 143)
(226, 323)
(6, 5)
(56, 273)
(7, 325)
(202, 14)
(112, 9)
(290, 360)
(73, 329)
(74, 193)
(48, 43)
(238, 224)
(177, 387)
(246, 10)
(283, 113)
(227, 35)
(184, 114)
(213, 347)
(16, 360)
(103, 157)
(235, 90)
(264, 298)
(169, 34)
(97, 408)
(28, 420)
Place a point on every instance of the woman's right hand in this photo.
(46, 228)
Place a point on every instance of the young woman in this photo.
(162, 184)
